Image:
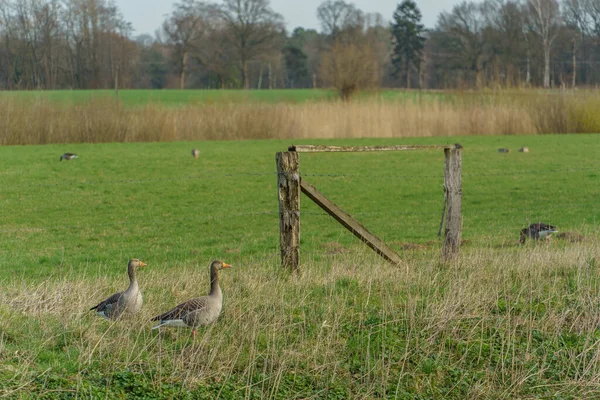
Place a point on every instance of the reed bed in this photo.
(39, 121)
(499, 323)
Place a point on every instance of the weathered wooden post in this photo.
(289, 208)
(453, 191)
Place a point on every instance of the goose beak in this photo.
(143, 264)
(225, 265)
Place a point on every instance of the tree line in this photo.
(88, 44)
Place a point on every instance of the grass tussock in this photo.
(529, 112)
(497, 324)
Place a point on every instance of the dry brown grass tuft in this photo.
(503, 315)
(41, 122)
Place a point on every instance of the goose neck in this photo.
(215, 289)
(133, 284)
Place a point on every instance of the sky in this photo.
(147, 15)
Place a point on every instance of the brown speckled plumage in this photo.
(199, 311)
(129, 300)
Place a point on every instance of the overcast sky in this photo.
(147, 15)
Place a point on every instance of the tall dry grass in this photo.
(477, 113)
(497, 324)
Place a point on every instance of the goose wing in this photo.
(183, 309)
(108, 303)
(546, 227)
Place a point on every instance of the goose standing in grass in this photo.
(537, 231)
(199, 311)
(129, 301)
(68, 156)
(196, 153)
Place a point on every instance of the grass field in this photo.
(505, 321)
(195, 97)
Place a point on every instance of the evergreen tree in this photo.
(408, 37)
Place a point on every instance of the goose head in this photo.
(136, 263)
(133, 266)
(218, 265)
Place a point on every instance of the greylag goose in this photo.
(537, 231)
(503, 150)
(199, 311)
(196, 153)
(129, 301)
(68, 156)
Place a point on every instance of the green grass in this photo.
(505, 322)
(156, 202)
(191, 97)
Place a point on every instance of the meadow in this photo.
(174, 97)
(502, 321)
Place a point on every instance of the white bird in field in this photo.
(128, 301)
(196, 153)
(199, 311)
(68, 156)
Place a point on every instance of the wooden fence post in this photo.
(289, 208)
(453, 191)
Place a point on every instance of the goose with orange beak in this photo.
(199, 311)
(128, 301)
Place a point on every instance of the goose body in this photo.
(537, 231)
(128, 301)
(199, 311)
(68, 156)
(195, 153)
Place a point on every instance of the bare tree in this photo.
(462, 31)
(544, 20)
(577, 20)
(349, 67)
(504, 31)
(47, 24)
(254, 29)
(184, 28)
(337, 15)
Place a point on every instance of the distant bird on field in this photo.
(196, 153)
(68, 156)
(524, 150)
(199, 311)
(537, 231)
(129, 301)
(503, 150)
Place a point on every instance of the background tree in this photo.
(254, 29)
(408, 35)
(184, 28)
(459, 36)
(336, 16)
(353, 62)
(544, 18)
(504, 31)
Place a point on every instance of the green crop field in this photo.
(506, 321)
(192, 97)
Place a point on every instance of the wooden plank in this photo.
(339, 149)
(350, 223)
(453, 189)
(289, 209)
